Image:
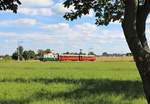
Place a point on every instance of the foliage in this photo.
(15, 56)
(27, 55)
(9, 5)
(105, 10)
(32, 54)
(23, 54)
(48, 50)
(104, 54)
(18, 53)
(91, 53)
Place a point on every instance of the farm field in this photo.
(70, 83)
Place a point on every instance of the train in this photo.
(67, 57)
(76, 58)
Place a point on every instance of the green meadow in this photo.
(70, 83)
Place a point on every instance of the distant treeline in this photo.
(22, 54)
(116, 54)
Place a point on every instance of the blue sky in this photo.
(39, 24)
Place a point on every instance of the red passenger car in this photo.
(87, 58)
(68, 58)
(76, 57)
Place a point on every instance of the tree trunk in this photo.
(134, 31)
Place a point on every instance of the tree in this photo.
(48, 50)
(9, 5)
(15, 56)
(105, 54)
(91, 53)
(27, 55)
(132, 14)
(31, 54)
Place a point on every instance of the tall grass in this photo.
(70, 83)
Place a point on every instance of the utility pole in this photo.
(80, 51)
(18, 53)
(80, 54)
(18, 44)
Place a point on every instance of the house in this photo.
(49, 56)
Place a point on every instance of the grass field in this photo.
(70, 83)
(115, 59)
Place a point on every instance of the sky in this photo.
(39, 24)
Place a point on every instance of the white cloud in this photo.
(58, 27)
(45, 8)
(83, 33)
(86, 28)
(36, 3)
(36, 11)
(78, 34)
(35, 37)
(59, 9)
(80, 28)
(22, 22)
(36, 7)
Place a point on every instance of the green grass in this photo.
(70, 83)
